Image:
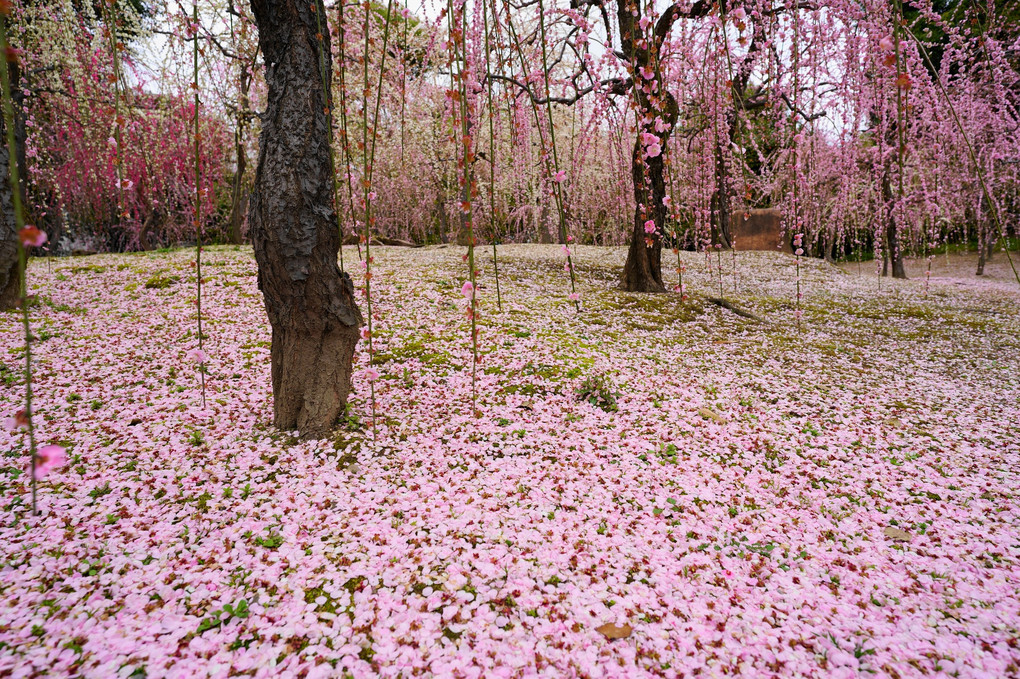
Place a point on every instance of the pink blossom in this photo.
(650, 226)
(370, 374)
(17, 421)
(197, 356)
(886, 44)
(647, 72)
(49, 458)
(575, 296)
(31, 236)
(467, 289)
(365, 332)
(560, 176)
(653, 150)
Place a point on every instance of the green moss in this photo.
(161, 282)
(417, 348)
(88, 268)
(60, 306)
(328, 606)
(644, 311)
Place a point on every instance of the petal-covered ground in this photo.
(742, 497)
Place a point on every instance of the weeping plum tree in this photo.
(641, 41)
(293, 227)
(654, 106)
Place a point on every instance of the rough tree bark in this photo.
(894, 252)
(310, 302)
(722, 194)
(10, 288)
(642, 271)
(9, 285)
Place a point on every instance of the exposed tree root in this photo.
(737, 310)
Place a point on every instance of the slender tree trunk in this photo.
(442, 219)
(238, 198)
(723, 197)
(892, 244)
(310, 302)
(982, 244)
(543, 223)
(831, 242)
(147, 228)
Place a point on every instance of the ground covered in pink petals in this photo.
(748, 498)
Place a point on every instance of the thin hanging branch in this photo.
(492, 156)
(368, 169)
(109, 13)
(198, 201)
(992, 207)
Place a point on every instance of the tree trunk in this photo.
(892, 245)
(442, 220)
(983, 250)
(723, 198)
(309, 301)
(543, 224)
(148, 226)
(643, 270)
(10, 287)
(9, 282)
(238, 198)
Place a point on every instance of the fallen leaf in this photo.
(897, 534)
(613, 631)
(710, 414)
